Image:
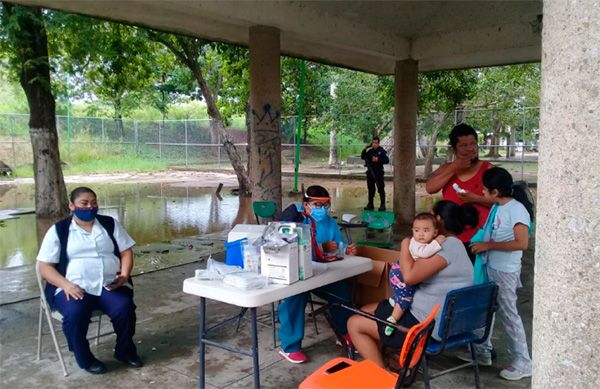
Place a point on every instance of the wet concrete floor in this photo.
(167, 340)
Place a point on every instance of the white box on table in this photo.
(305, 269)
(250, 231)
(280, 264)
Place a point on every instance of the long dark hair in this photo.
(456, 217)
(500, 179)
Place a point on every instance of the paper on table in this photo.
(319, 267)
(347, 217)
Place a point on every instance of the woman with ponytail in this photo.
(503, 252)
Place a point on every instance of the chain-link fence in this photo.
(508, 136)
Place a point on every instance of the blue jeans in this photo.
(291, 314)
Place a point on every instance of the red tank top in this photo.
(475, 185)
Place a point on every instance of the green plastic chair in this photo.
(379, 221)
(264, 210)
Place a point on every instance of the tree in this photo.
(439, 95)
(497, 105)
(360, 108)
(118, 61)
(190, 51)
(24, 39)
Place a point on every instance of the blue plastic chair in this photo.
(466, 320)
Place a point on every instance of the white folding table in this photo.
(350, 266)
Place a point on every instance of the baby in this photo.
(424, 244)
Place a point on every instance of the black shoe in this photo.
(96, 367)
(134, 362)
(369, 207)
(382, 208)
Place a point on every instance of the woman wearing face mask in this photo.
(87, 261)
(326, 237)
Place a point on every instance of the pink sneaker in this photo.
(294, 356)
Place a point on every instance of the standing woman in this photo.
(510, 236)
(87, 261)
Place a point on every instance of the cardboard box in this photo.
(280, 264)
(249, 231)
(374, 286)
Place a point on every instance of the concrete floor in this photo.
(167, 338)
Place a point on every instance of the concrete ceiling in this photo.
(363, 35)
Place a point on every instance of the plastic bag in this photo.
(246, 280)
(216, 270)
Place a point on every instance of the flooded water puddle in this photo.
(156, 213)
(172, 224)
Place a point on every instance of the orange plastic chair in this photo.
(344, 373)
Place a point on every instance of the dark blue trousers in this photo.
(117, 304)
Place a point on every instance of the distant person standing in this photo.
(375, 157)
(461, 179)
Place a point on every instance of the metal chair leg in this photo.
(425, 368)
(53, 333)
(241, 316)
(475, 365)
(40, 323)
(312, 313)
(98, 330)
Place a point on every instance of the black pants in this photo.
(376, 179)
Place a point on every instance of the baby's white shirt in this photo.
(423, 250)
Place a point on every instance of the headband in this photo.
(317, 198)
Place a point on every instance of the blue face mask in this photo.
(318, 213)
(86, 214)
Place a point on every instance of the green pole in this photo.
(299, 131)
(68, 114)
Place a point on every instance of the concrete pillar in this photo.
(265, 105)
(566, 316)
(405, 135)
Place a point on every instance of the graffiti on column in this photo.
(266, 134)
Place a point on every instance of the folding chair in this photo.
(466, 320)
(264, 209)
(347, 373)
(380, 221)
(51, 314)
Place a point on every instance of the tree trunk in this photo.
(494, 143)
(217, 122)
(510, 149)
(333, 154)
(30, 42)
(422, 146)
(431, 151)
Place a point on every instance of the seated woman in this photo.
(450, 268)
(87, 260)
(326, 237)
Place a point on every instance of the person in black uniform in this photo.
(375, 157)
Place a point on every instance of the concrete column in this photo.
(405, 135)
(265, 105)
(566, 316)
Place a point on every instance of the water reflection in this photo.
(158, 212)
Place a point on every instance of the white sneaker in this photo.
(483, 359)
(514, 374)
